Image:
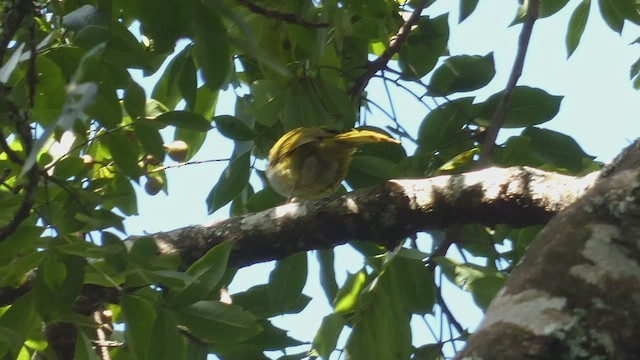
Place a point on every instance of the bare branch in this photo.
(394, 46)
(501, 111)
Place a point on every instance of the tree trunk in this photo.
(576, 293)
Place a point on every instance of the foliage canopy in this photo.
(65, 75)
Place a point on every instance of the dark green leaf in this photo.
(326, 259)
(528, 106)
(206, 273)
(124, 152)
(211, 47)
(610, 15)
(134, 100)
(369, 170)
(166, 342)
(206, 101)
(167, 89)
(577, 23)
(52, 302)
(414, 282)
(185, 120)
(84, 348)
(381, 328)
(256, 300)
(555, 148)
(443, 125)
(326, 339)
(273, 338)
(287, 280)
(424, 46)
(150, 139)
(22, 319)
(140, 316)
(485, 288)
(116, 258)
(466, 8)
(268, 99)
(68, 167)
(234, 128)
(218, 322)
(462, 73)
(233, 179)
(188, 83)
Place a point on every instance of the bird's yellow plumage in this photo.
(310, 163)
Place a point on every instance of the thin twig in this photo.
(501, 112)
(394, 46)
(163, 168)
(280, 15)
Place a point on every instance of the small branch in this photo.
(283, 16)
(394, 46)
(501, 111)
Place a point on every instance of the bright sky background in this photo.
(599, 110)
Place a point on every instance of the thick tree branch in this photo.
(394, 46)
(385, 214)
(575, 294)
(501, 111)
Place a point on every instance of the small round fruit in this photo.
(154, 185)
(177, 150)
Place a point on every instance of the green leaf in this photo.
(268, 99)
(381, 328)
(234, 128)
(528, 106)
(466, 8)
(369, 170)
(555, 148)
(184, 120)
(68, 167)
(233, 179)
(484, 289)
(166, 342)
(424, 46)
(273, 338)
(326, 258)
(462, 73)
(52, 302)
(206, 273)
(577, 24)
(134, 100)
(23, 320)
(443, 125)
(188, 83)
(287, 280)
(218, 322)
(150, 139)
(116, 257)
(348, 296)
(414, 282)
(125, 154)
(167, 89)
(610, 15)
(256, 300)
(140, 316)
(211, 47)
(206, 101)
(326, 338)
(84, 349)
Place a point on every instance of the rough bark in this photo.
(576, 293)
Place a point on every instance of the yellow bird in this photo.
(310, 163)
